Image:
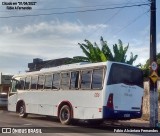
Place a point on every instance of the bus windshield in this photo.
(125, 74)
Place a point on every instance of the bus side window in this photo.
(40, 84)
(48, 82)
(27, 83)
(65, 79)
(86, 79)
(97, 78)
(34, 80)
(74, 80)
(21, 84)
(56, 81)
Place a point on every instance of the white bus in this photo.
(88, 91)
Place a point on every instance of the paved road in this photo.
(10, 119)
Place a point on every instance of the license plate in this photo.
(126, 115)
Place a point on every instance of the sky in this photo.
(57, 29)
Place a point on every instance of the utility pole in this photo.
(153, 68)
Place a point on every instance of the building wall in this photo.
(38, 64)
(5, 82)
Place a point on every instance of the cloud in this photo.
(56, 36)
(56, 27)
(6, 30)
(12, 63)
(158, 47)
(46, 40)
(52, 28)
(141, 48)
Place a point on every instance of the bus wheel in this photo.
(65, 115)
(22, 111)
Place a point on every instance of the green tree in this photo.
(146, 67)
(119, 52)
(95, 54)
(92, 53)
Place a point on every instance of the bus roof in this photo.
(67, 67)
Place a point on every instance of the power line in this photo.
(134, 20)
(80, 11)
(143, 8)
(92, 6)
(108, 20)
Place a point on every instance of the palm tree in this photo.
(119, 52)
(94, 54)
(106, 50)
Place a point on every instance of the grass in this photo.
(145, 117)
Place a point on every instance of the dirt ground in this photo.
(135, 123)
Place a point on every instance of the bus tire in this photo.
(65, 115)
(22, 111)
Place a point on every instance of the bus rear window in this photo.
(125, 74)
